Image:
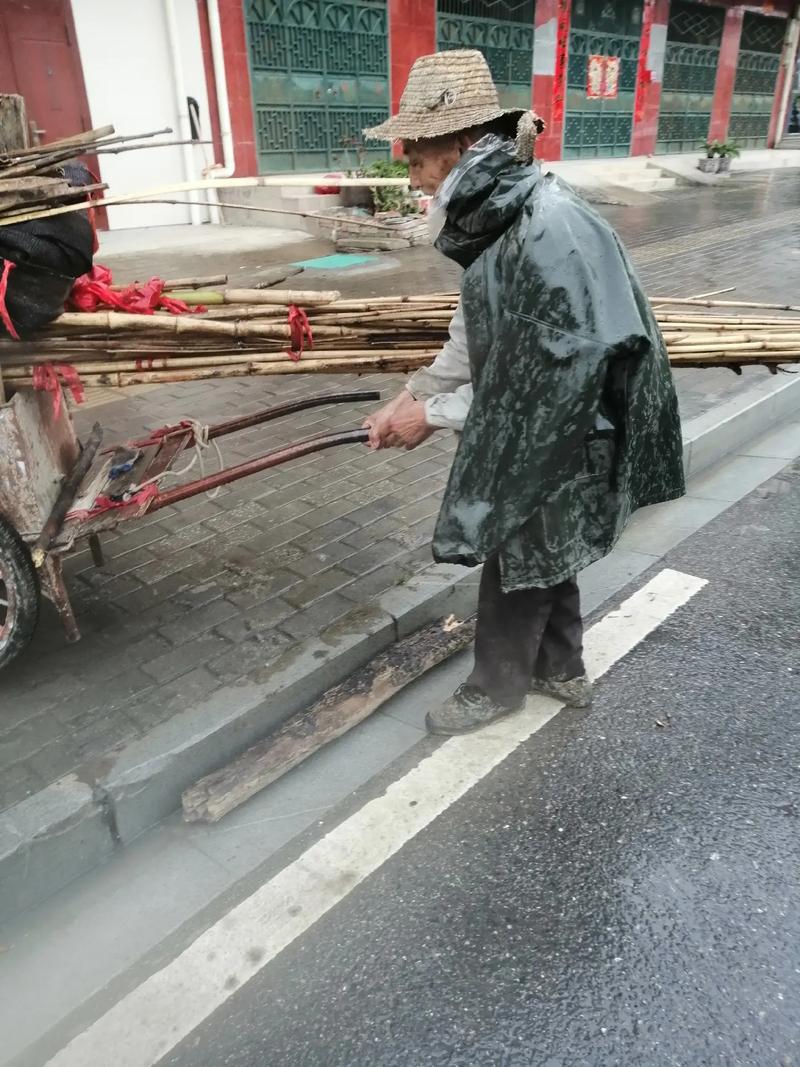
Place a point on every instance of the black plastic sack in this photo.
(49, 254)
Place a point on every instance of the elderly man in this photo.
(555, 376)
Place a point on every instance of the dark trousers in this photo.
(526, 633)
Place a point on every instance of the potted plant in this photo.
(382, 198)
(709, 163)
(728, 151)
(391, 198)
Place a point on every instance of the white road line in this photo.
(153, 1018)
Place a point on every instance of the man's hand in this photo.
(399, 424)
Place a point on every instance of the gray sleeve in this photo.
(446, 385)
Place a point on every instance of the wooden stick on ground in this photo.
(336, 712)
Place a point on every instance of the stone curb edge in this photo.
(71, 826)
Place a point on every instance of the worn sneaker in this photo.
(468, 709)
(572, 692)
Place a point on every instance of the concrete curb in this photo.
(71, 826)
(684, 169)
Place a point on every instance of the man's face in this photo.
(429, 162)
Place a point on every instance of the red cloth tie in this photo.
(93, 291)
(301, 332)
(49, 377)
(5, 318)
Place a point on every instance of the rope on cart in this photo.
(200, 434)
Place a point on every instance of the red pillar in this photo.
(550, 51)
(649, 75)
(777, 122)
(412, 33)
(211, 81)
(726, 74)
(237, 75)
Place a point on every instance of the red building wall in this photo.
(726, 74)
(237, 74)
(655, 20)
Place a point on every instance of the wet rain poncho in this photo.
(574, 420)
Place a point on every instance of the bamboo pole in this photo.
(264, 181)
(742, 346)
(689, 302)
(158, 363)
(285, 297)
(121, 322)
(698, 296)
(719, 340)
(393, 363)
(183, 283)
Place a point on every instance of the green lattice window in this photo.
(624, 19)
(503, 33)
(690, 69)
(582, 45)
(690, 73)
(601, 127)
(691, 23)
(756, 76)
(763, 33)
(756, 72)
(319, 72)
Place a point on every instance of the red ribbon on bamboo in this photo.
(93, 290)
(49, 377)
(301, 332)
(5, 318)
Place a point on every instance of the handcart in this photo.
(55, 492)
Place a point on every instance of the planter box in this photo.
(708, 166)
(724, 165)
(357, 196)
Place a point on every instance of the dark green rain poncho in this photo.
(574, 422)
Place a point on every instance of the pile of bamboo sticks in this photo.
(261, 332)
(705, 333)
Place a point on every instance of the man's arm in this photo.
(436, 397)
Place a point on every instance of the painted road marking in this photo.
(152, 1019)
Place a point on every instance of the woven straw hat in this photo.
(445, 93)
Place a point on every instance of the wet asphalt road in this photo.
(617, 892)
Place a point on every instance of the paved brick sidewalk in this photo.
(213, 592)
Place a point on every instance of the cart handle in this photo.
(317, 443)
(245, 422)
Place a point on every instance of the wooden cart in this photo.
(55, 492)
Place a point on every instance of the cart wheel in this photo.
(19, 595)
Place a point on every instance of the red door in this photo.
(39, 59)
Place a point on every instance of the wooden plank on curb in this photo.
(337, 711)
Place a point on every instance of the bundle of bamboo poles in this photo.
(31, 179)
(258, 332)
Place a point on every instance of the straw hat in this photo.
(445, 93)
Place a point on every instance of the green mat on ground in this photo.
(338, 261)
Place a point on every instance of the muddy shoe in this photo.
(469, 708)
(572, 692)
